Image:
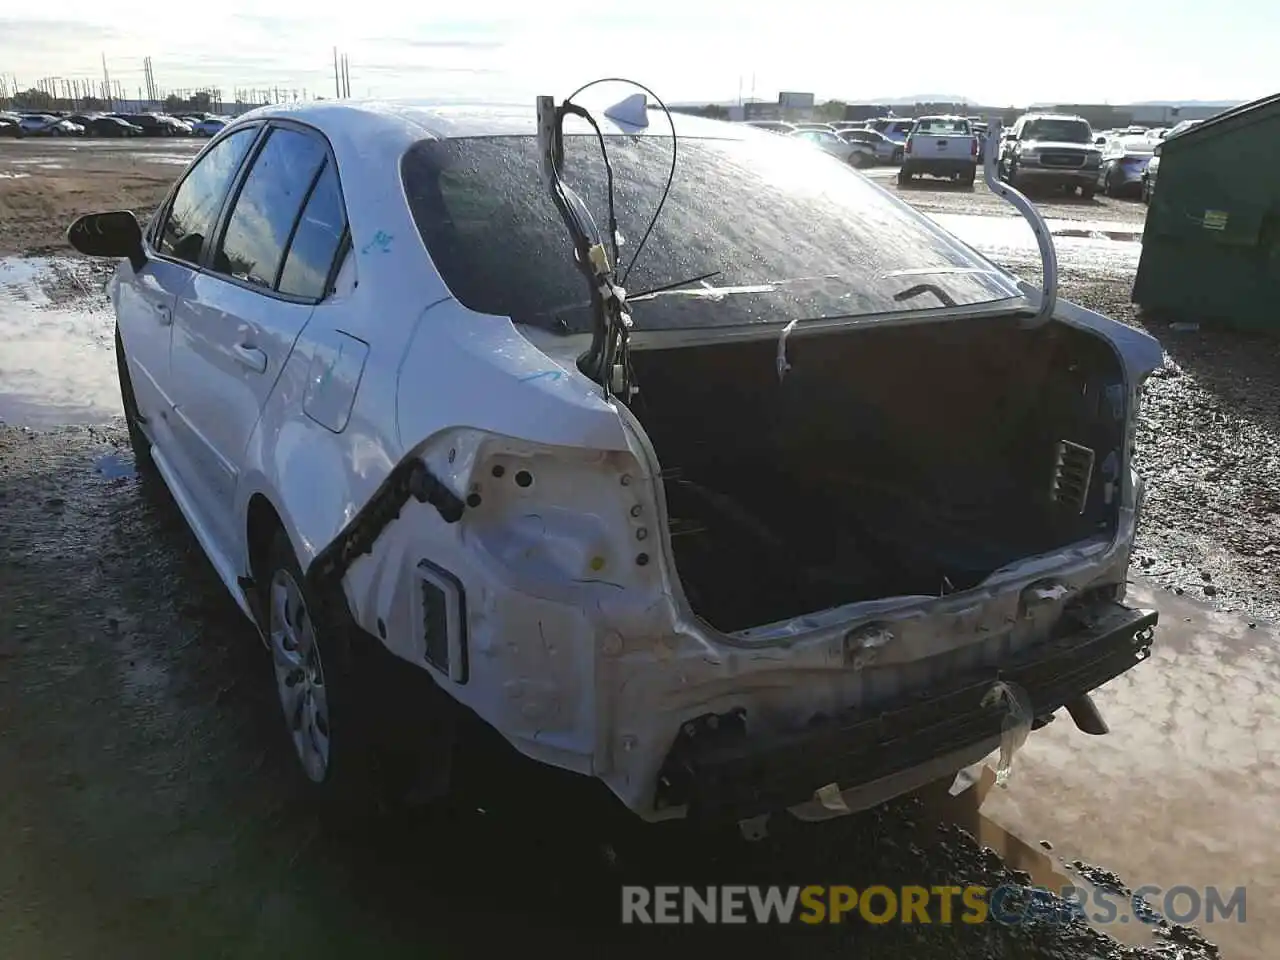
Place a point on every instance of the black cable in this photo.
(671, 175)
(577, 111)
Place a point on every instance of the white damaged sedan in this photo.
(783, 499)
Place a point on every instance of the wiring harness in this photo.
(608, 360)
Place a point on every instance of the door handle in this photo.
(164, 314)
(250, 356)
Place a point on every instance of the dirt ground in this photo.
(151, 807)
(46, 183)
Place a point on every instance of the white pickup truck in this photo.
(941, 147)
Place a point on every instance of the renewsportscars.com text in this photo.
(1011, 904)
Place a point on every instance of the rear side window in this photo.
(261, 222)
(316, 239)
(199, 198)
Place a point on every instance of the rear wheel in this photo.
(369, 732)
(312, 664)
(1012, 177)
(1088, 192)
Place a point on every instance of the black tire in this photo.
(132, 418)
(969, 178)
(1146, 193)
(1012, 177)
(390, 730)
(1107, 189)
(858, 161)
(1088, 192)
(897, 156)
(904, 178)
(347, 786)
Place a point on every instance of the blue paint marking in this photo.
(381, 242)
(553, 374)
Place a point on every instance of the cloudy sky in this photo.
(1086, 51)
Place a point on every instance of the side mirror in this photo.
(112, 234)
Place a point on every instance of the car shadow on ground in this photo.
(160, 813)
(939, 185)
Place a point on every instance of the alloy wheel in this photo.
(299, 675)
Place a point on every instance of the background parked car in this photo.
(1179, 128)
(156, 124)
(1149, 178)
(855, 154)
(209, 126)
(773, 126)
(47, 125)
(10, 127)
(896, 129)
(1124, 160)
(886, 151)
(1051, 150)
(33, 123)
(104, 126)
(941, 147)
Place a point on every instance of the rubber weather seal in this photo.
(410, 479)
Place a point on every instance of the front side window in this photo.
(261, 222)
(777, 231)
(199, 198)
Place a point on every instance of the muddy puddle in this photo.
(172, 159)
(57, 362)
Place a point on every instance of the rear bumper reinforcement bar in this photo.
(722, 772)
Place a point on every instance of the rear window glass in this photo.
(787, 232)
(941, 127)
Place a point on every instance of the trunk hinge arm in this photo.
(1048, 257)
(607, 361)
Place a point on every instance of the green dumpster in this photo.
(1211, 246)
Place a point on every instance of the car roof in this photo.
(420, 119)
(1053, 116)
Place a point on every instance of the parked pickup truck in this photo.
(941, 147)
(1051, 151)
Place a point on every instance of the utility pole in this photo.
(346, 76)
(337, 90)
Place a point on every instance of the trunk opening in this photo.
(891, 461)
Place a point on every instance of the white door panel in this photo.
(229, 345)
(144, 310)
